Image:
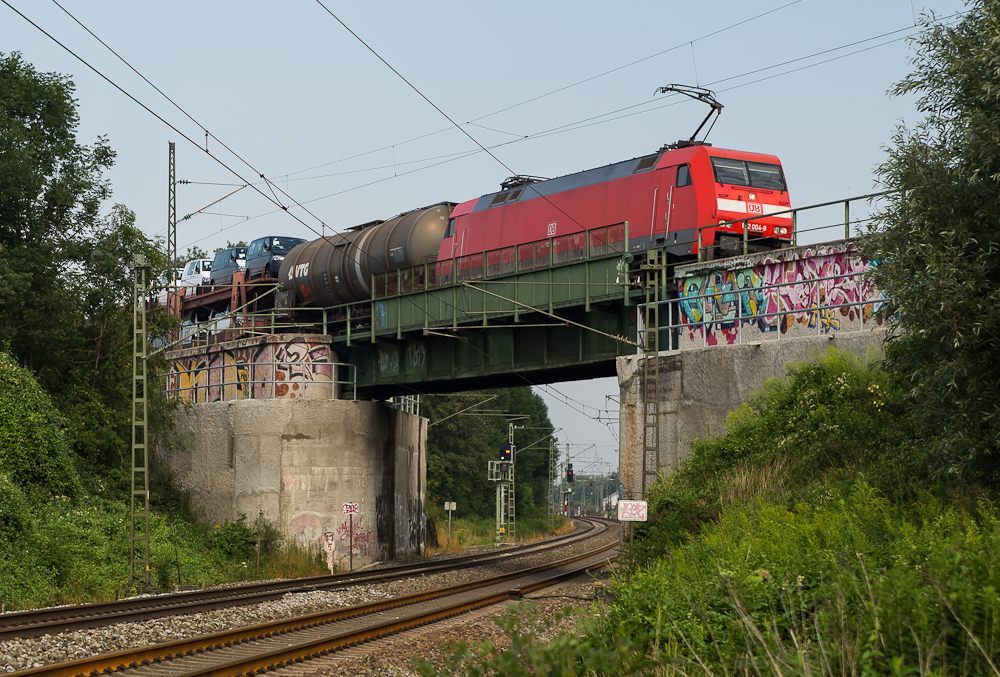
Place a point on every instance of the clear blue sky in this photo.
(299, 98)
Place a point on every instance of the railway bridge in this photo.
(566, 308)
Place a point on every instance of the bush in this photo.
(235, 541)
(34, 452)
(832, 587)
(822, 426)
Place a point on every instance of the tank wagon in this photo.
(672, 199)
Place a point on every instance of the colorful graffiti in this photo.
(813, 290)
(273, 368)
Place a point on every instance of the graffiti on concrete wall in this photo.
(332, 536)
(820, 290)
(291, 368)
(360, 539)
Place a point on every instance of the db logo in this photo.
(552, 229)
(753, 208)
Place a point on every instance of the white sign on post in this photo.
(631, 511)
(351, 509)
(449, 505)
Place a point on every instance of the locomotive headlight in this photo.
(780, 230)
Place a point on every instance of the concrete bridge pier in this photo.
(299, 462)
(698, 388)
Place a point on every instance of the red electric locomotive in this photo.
(672, 199)
(667, 198)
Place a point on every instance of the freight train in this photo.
(673, 199)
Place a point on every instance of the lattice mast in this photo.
(652, 270)
(172, 259)
(139, 529)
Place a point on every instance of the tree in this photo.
(937, 244)
(230, 245)
(460, 444)
(65, 288)
(192, 253)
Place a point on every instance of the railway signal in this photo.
(569, 473)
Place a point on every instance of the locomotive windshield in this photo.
(746, 173)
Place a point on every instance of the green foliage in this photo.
(235, 541)
(938, 246)
(229, 245)
(460, 445)
(34, 454)
(193, 252)
(852, 583)
(824, 415)
(65, 288)
(819, 426)
(566, 654)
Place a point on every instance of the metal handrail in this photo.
(353, 382)
(794, 211)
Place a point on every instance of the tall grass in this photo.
(473, 532)
(807, 540)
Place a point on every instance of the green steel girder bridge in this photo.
(556, 310)
(557, 322)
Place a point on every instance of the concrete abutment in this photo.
(299, 461)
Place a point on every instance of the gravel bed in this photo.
(394, 656)
(19, 654)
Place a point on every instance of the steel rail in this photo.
(38, 622)
(133, 658)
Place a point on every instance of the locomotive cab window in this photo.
(730, 171)
(745, 173)
(450, 232)
(683, 176)
(765, 176)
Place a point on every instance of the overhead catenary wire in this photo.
(602, 118)
(272, 199)
(277, 201)
(559, 89)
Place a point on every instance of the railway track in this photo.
(39, 622)
(284, 643)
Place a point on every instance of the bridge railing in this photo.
(553, 251)
(817, 213)
(259, 380)
(729, 310)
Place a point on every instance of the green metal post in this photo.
(552, 472)
(517, 271)
(625, 302)
(847, 219)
